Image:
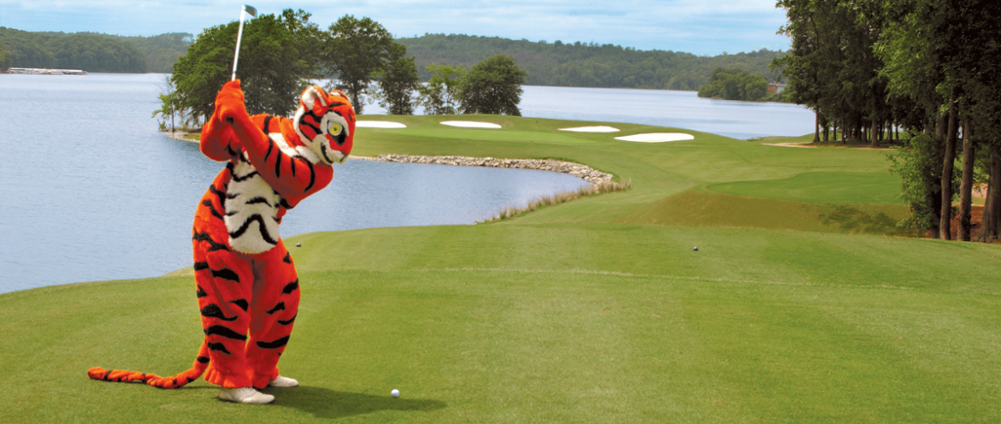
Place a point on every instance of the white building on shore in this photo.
(44, 71)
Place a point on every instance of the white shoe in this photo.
(283, 382)
(245, 395)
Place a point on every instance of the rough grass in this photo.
(603, 187)
(795, 308)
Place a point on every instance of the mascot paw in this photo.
(248, 395)
(283, 382)
(229, 102)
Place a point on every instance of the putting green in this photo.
(478, 134)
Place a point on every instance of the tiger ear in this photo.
(311, 94)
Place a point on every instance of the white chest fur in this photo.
(251, 208)
(252, 205)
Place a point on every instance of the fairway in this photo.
(803, 303)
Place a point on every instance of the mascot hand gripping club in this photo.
(247, 287)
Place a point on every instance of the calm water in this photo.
(679, 109)
(91, 191)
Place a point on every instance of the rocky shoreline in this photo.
(584, 172)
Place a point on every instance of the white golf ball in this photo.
(395, 393)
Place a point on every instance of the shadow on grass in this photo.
(326, 403)
(850, 219)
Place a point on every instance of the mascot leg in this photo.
(225, 281)
(273, 312)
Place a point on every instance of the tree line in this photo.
(929, 67)
(737, 84)
(92, 52)
(587, 64)
(557, 64)
(281, 54)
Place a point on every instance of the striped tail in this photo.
(177, 381)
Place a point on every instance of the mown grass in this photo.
(708, 208)
(553, 323)
(797, 306)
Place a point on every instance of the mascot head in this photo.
(325, 122)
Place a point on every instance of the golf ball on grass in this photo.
(395, 393)
(298, 245)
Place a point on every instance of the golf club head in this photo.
(250, 10)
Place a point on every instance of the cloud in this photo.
(701, 27)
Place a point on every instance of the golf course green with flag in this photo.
(804, 302)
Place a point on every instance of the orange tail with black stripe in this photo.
(177, 381)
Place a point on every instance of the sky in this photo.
(707, 27)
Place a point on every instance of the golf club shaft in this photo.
(239, 35)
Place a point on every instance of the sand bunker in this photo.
(595, 129)
(470, 124)
(378, 124)
(656, 137)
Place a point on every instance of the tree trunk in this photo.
(816, 126)
(874, 133)
(945, 220)
(355, 95)
(989, 228)
(966, 189)
(843, 130)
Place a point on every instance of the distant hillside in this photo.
(586, 65)
(94, 52)
(161, 51)
(557, 64)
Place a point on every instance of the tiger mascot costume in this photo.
(246, 282)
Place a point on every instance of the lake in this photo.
(93, 192)
(666, 108)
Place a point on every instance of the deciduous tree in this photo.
(398, 82)
(355, 51)
(493, 86)
(440, 96)
(735, 84)
(272, 69)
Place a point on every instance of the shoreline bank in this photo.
(584, 172)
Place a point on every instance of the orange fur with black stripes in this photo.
(247, 286)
